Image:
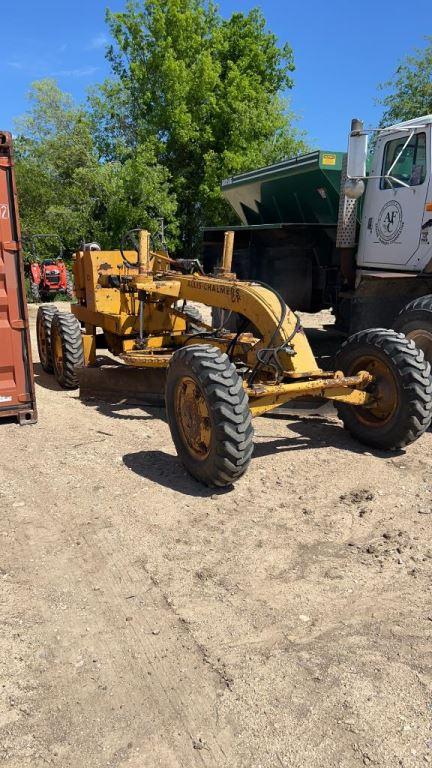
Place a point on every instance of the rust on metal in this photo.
(194, 417)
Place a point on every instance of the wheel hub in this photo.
(193, 417)
(383, 390)
(57, 352)
(42, 342)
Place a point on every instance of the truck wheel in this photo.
(69, 286)
(208, 415)
(402, 387)
(66, 348)
(35, 292)
(415, 321)
(44, 320)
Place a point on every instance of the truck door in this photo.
(392, 217)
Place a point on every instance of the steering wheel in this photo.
(129, 237)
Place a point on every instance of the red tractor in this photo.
(48, 276)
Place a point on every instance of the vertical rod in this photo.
(141, 319)
(144, 252)
(227, 252)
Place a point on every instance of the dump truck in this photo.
(17, 391)
(330, 235)
(215, 380)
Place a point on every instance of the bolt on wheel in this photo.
(383, 389)
(193, 417)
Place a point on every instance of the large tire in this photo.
(69, 286)
(208, 415)
(415, 321)
(35, 292)
(402, 386)
(44, 320)
(228, 320)
(66, 348)
(195, 322)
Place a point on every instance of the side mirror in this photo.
(354, 188)
(357, 151)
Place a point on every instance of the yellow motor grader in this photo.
(216, 380)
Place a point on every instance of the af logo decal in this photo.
(389, 224)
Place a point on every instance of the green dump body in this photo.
(288, 231)
(303, 190)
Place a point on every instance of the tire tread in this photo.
(229, 405)
(414, 379)
(69, 331)
(45, 315)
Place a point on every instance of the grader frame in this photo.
(150, 290)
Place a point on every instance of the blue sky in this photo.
(342, 50)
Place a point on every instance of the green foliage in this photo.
(410, 89)
(65, 189)
(193, 98)
(203, 92)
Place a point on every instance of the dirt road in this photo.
(148, 622)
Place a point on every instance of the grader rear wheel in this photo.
(44, 320)
(208, 415)
(66, 349)
(70, 293)
(35, 292)
(402, 389)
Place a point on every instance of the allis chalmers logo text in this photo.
(389, 224)
(227, 290)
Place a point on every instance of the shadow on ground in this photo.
(168, 471)
(122, 410)
(44, 379)
(318, 432)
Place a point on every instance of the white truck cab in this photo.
(396, 223)
(327, 233)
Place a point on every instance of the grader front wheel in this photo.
(66, 349)
(401, 408)
(208, 415)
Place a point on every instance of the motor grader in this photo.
(216, 380)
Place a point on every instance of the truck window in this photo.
(411, 166)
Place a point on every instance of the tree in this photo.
(66, 189)
(53, 140)
(200, 92)
(410, 89)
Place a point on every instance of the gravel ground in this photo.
(147, 621)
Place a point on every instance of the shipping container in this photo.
(17, 394)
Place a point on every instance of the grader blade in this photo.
(119, 383)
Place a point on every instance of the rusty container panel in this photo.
(17, 395)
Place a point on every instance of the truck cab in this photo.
(395, 231)
(330, 235)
